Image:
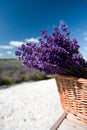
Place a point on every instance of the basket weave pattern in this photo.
(73, 95)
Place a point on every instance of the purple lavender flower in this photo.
(56, 54)
(43, 32)
(63, 27)
(17, 53)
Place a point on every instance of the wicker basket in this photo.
(73, 95)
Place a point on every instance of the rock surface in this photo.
(29, 106)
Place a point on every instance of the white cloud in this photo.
(1, 54)
(35, 40)
(16, 43)
(85, 38)
(61, 21)
(19, 43)
(5, 47)
(9, 52)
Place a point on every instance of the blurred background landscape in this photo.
(12, 72)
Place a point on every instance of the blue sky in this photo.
(22, 20)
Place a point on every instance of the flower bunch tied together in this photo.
(56, 54)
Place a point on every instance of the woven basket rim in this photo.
(83, 80)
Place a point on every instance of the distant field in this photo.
(11, 72)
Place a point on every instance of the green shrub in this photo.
(11, 72)
(23, 78)
(5, 80)
(36, 76)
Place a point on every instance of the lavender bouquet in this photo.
(56, 54)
